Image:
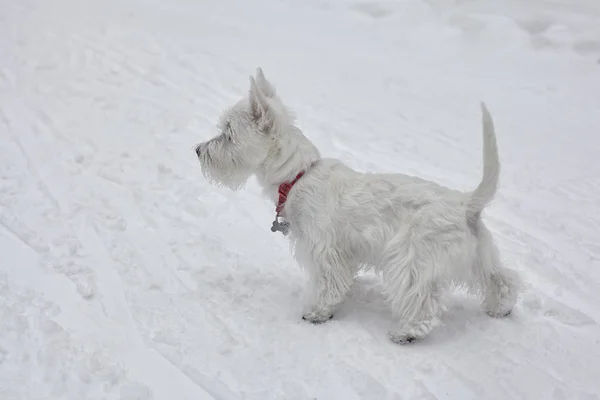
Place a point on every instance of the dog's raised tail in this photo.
(485, 191)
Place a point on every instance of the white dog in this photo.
(419, 235)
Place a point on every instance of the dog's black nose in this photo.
(198, 150)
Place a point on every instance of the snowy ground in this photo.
(124, 275)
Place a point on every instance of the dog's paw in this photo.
(499, 309)
(413, 332)
(317, 317)
(402, 338)
(498, 314)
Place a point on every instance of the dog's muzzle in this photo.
(200, 149)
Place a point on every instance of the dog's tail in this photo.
(484, 193)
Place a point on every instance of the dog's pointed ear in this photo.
(259, 107)
(258, 102)
(263, 84)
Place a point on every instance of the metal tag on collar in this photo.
(280, 225)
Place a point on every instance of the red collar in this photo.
(284, 190)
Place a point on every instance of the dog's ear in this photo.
(263, 84)
(260, 109)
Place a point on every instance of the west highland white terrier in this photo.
(419, 236)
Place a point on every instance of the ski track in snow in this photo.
(124, 275)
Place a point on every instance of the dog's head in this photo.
(247, 133)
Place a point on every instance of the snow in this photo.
(125, 275)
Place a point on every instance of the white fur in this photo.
(420, 236)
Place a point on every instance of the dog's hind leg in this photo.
(331, 277)
(412, 291)
(415, 302)
(499, 285)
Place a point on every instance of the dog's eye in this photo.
(228, 131)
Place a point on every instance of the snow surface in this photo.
(124, 275)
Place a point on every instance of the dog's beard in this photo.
(224, 171)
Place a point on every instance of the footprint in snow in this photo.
(553, 309)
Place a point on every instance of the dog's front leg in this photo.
(330, 280)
